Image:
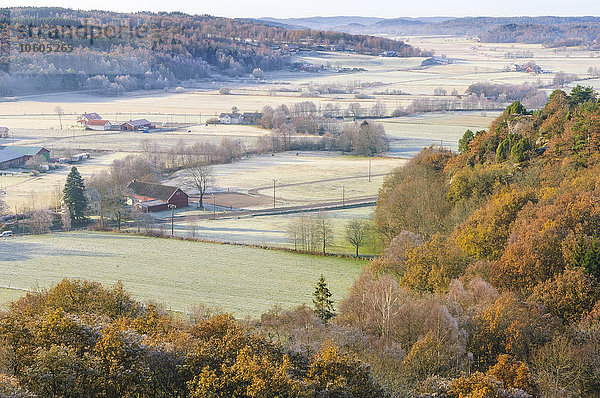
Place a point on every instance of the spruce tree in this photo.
(74, 195)
(322, 301)
(587, 255)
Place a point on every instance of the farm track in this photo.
(256, 191)
(348, 203)
(312, 207)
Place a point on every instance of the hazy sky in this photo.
(379, 8)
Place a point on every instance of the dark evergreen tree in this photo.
(74, 195)
(581, 94)
(322, 301)
(519, 151)
(502, 150)
(516, 108)
(587, 255)
(463, 143)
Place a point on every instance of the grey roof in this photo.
(137, 123)
(150, 203)
(6, 155)
(91, 116)
(151, 190)
(24, 150)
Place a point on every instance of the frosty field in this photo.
(178, 274)
(273, 230)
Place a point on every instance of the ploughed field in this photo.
(177, 274)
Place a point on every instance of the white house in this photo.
(3, 132)
(86, 117)
(96, 124)
(231, 118)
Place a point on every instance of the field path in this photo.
(256, 191)
(312, 207)
(350, 202)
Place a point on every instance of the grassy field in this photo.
(297, 167)
(272, 230)
(43, 191)
(178, 274)
(410, 134)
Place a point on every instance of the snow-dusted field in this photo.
(178, 274)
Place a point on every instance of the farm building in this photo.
(435, 61)
(528, 67)
(98, 124)
(15, 156)
(231, 118)
(150, 197)
(133, 125)
(3, 132)
(251, 117)
(87, 117)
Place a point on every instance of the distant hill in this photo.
(551, 31)
(324, 23)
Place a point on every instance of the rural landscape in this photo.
(202, 206)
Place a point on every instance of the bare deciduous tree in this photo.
(324, 230)
(199, 178)
(110, 196)
(60, 112)
(356, 233)
(40, 221)
(65, 218)
(310, 234)
(3, 206)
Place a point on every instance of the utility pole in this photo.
(343, 197)
(369, 170)
(214, 207)
(172, 207)
(274, 181)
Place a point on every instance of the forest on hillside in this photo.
(112, 53)
(550, 31)
(489, 287)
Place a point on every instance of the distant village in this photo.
(38, 159)
(94, 121)
(144, 196)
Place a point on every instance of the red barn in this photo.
(150, 197)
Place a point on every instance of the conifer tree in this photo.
(587, 255)
(74, 195)
(322, 301)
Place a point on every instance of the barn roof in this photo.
(90, 116)
(137, 123)
(24, 150)
(6, 155)
(155, 202)
(97, 122)
(151, 190)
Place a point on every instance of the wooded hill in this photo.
(154, 50)
(505, 239)
(548, 30)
